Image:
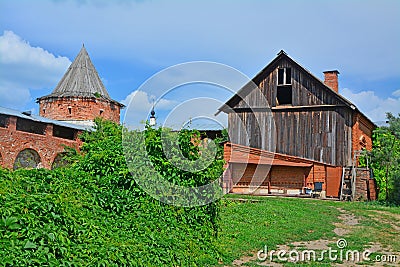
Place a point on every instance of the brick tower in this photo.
(80, 96)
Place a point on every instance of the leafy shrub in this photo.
(93, 213)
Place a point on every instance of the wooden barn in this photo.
(291, 133)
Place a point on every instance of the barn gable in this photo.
(307, 89)
(311, 119)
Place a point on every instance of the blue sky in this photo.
(129, 41)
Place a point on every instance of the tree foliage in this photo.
(93, 213)
(175, 167)
(386, 159)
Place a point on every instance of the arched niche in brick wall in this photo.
(59, 161)
(27, 158)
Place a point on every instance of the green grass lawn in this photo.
(247, 226)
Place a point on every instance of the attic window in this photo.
(284, 95)
(284, 76)
(284, 88)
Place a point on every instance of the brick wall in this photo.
(12, 142)
(79, 109)
(362, 177)
(373, 192)
(365, 186)
(361, 133)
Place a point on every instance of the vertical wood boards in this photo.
(318, 133)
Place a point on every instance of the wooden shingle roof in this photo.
(81, 80)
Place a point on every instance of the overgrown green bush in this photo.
(93, 213)
(385, 157)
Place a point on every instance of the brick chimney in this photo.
(331, 80)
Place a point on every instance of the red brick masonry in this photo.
(79, 109)
(13, 141)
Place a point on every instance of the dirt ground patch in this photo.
(396, 216)
(347, 222)
(245, 259)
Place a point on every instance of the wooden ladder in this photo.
(348, 184)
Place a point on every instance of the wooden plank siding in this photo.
(317, 126)
(312, 130)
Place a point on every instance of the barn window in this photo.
(64, 132)
(27, 158)
(30, 126)
(281, 75)
(3, 120)
(284, 95)
(284, 88)
(284, 76)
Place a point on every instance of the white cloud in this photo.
(141, 101)
(396, 93)
(372, 105)
(138, 106)
(23, 68)
(171, 113)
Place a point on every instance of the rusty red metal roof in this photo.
(235, 153)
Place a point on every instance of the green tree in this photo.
(385, 157)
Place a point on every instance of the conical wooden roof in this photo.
(80, 80)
